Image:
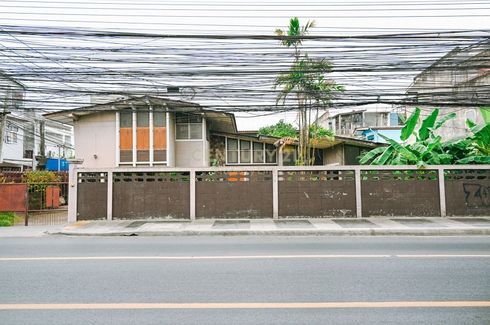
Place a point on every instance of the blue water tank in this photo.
(52, 164)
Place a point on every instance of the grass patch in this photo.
(7, 219)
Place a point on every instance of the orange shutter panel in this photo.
(143, 138)
(126, 138)
(160, 138)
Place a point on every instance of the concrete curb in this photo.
(291, 232)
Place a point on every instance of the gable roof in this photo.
(219, 121)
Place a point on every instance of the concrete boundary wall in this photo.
(288, 192)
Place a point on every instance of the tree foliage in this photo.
(429, 149)
(286, 130)
(280, 130)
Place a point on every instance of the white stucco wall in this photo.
(189, 153)
(14, 151)
(95, 140)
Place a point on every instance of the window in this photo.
(232, 151)
(289, 156)
(142, 135)
(258, 153)
(134, 130)
(270, 153)
(245, 152)
(11, 133)
(188, 127)
(249, 152)
(159, 136)
(126, 136)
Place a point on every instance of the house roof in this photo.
(368, 108)
(318, 143)
(219, 121)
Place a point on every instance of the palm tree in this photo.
(306, 79)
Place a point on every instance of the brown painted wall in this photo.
(317, 194)
(92, 196)
(400, 193)
(234, 195)
(150, 195)
(467, 192)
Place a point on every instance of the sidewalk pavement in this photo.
(406, 226)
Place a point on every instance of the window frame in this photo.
(251, 150)
(189, 125)
(11, 134)
(134, 125)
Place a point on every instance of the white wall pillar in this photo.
(192, 195)
(118, 137)
(150, 125)
(134, 138)
(442, 191)
(357, 176)
(109, 195)
(275, 193)
(72, 193)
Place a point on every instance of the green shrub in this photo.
(38, 180)
(7, 219)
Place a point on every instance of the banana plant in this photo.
(428, 148)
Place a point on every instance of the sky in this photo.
(32, 58)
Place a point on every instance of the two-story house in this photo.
(147, 131)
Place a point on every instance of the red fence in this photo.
(13, 197)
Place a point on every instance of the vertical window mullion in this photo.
(134, 137)
(239, 151)
(150, 140)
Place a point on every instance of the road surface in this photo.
(245, 280)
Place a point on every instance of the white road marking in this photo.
(239, 257)
(252, 305)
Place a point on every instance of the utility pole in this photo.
(42, 149)
(41, 158)
(3, 122)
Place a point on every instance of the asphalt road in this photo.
(245, 280)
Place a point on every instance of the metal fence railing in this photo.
(35, 203)
(47, 203)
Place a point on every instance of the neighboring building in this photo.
(17, 150)
(153, 131)
(13, 148)
(22, 132)
(453, 83)
(376, 133)
(346, 121)
(58, 140)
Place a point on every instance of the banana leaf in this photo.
(410, 124)
(427, 125)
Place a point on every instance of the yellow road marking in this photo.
(443, 255)
(253, 305)
(237, 257)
